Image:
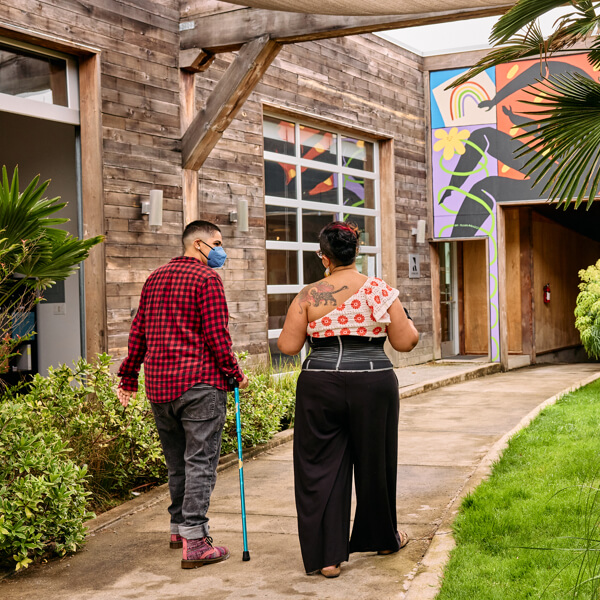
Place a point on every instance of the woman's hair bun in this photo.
(339, 241)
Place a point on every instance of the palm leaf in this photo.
(532, 43)
(521, 15)
(37, 250)
(567, 143)
(518, 35)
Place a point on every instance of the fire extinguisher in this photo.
(547, 294)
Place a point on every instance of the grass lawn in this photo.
(541, 494)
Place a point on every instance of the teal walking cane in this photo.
(238, 426)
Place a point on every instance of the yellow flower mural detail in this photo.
(451, 142)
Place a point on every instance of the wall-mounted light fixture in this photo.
(240, 216)
(419, 231)
(153, 208)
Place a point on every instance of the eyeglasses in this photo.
(320, 253)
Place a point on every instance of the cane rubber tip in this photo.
(246, 555)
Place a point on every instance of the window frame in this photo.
(41, 110)
(339, 209)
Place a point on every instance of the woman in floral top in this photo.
(346, 406)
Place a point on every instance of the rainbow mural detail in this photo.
(460, 95)
(461, 106)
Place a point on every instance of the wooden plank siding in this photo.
(359, 82)
(138, 42)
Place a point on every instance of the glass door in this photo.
(448, 299)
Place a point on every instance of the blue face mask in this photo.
(216, 257)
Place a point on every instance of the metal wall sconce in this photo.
(240, 216)
(419, 231)
(153, 208)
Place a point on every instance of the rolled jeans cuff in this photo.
(193, 533)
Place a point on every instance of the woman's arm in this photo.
(293, 335)
(402, 333)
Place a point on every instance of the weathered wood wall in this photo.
(139, 44)
(362, 82)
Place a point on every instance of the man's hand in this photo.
(124, 396)
(244, 382)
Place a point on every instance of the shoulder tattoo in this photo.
(320, 292)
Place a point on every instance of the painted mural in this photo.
(475, 156)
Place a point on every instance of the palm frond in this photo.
(518, 35)
(521, 15)
(37, 250)
(566, 149)
(521, 46)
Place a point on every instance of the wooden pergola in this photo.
(257, 35)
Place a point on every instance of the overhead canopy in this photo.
(365, 7)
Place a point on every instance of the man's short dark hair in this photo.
(198, 229)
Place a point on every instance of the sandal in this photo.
(403, 539)
(331, 572)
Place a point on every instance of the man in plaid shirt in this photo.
(180, 333)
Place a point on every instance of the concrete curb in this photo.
(427, 582)
(474, 373)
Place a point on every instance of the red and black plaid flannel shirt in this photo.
(180, 333)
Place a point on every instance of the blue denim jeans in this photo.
(190, 430)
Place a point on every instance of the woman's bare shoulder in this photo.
(320, 292)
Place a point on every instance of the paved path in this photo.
(444, 436)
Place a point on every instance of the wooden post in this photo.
(436, 307)
(527, 297)
(503, 321)
(226, 99)
(388, 211)
(189, 177)
(90, 106)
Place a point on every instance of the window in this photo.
(313, 175)
(38, 83)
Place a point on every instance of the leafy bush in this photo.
(588, 310)
(67, 443)
(120, 447)
(42, 490)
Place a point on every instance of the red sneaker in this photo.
(176, 541)
(202, 552)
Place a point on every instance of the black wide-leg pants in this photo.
(345, 421)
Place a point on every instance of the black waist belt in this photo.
(347, 353)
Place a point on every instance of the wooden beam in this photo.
(502, 275)
(194, 61)
(464, 60)
(94, 268)
(189, 178)
(226, 99)
(387, 198)
(229, 31)
(436, 307)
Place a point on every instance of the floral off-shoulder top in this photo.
(365, 313)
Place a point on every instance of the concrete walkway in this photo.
(445, 437)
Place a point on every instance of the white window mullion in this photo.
(300, 246)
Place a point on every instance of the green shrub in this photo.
(120, 447)
(588, 310)
(266, 407)
(42, 490)
(66, 442)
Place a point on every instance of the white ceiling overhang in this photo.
(366, 7)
